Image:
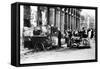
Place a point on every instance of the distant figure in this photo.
(59, 38)
(69, 39)
(92, 33)
(76, 33)
(84, 33)
(66, 36)
(70, 34)
(89, 34)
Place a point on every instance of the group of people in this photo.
(82, 34)
(68, 34)
(49, 32)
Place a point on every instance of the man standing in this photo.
(92, 33)
(59, 38)
(69, 39)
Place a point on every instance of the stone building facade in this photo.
(62, 18)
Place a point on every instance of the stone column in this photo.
(52, 16)
(79, 18)
(39, 17)
(58, 17)
(75, 18)
(48, 15)
(66, 19)
(70, 19)
(33, 15)
(44, 15)
(62, 20)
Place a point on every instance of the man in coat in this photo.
(59, 38)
